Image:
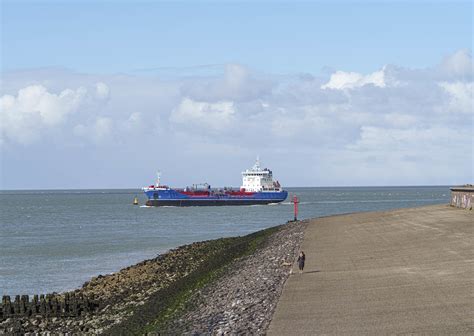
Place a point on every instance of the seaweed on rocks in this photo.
(167, 303)
(243, 299)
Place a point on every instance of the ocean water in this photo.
(57, 240)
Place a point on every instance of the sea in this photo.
(55, 240)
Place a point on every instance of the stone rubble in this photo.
(244, 299)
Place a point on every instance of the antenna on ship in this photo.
(257, 163)
(158, 177)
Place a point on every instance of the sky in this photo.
(102, 94)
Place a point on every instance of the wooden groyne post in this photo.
(49, 305)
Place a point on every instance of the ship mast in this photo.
(257, 164)
(158, 177)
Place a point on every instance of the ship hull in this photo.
(171, 197)
(210, 202)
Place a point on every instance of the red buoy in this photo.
(295, 203)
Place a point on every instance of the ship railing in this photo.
(271, 189)
(152, 187)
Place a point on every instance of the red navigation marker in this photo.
(295, 202)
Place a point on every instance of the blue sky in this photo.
(101, 94)
(281, 37)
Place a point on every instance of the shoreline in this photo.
(148, 297)
(225, 285)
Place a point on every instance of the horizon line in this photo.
(290, 187)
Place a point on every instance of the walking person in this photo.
(301, 260)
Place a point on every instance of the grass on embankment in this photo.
(171, 302)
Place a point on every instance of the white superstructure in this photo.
(257, 179)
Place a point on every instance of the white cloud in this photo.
(461, 96)
(102, 128)
(134, 120)
(102, 90)
(33, 109)
(396, 119)
(98, 131)
(237, 83)
(305, 122)
(400, 120)
(349, 80)
(135, 125)
(458, 64)
(389, 139)
(214, 116)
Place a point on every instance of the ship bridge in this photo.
(257, 179)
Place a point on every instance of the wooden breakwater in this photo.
(49, 305)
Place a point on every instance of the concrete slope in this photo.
(392, 272)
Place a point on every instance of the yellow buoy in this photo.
(135, 201)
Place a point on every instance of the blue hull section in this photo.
(172, 197)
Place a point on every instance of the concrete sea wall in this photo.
(397, 272)
(462, 197)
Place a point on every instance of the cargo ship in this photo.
(258, 187)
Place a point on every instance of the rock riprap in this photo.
(243, 300)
